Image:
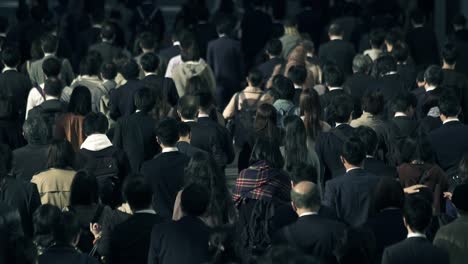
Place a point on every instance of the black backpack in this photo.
(244, 119)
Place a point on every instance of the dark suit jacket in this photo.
(188, 149)
(391, 86)
(225, 58)
(130, 240)
(416, 250)
(422, 44)
(408, 73)
(428, 124)
(182, 242)
(257, 27)
(164, 87)
(459, 83)
(403, 126)
(449, 143)
(166, 55)
(268, 67)
(379, 168)
(205, 32)
(121, 99)
(65, 254)
(135, 135)
(339, 52)
(29, 160)
(314, 234)
(350, 195)
(17, 85)
(108, 51)
(165, 174)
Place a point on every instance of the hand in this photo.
(414, 188)
(96, 229)
(448, 195)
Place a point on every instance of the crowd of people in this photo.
(345, 122)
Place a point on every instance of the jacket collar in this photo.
(96, 142)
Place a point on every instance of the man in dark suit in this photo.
(134, 134)
(311, 232)
(185, 136)
(106, 47)
(165, 172)
(273, 51)
(168, 53)
(32, 158)
(130, 240)
(121, 100)
(403, 124)
(350, 194)
(389, 82)
(405, 66)
(329, 145)
(337, 50)
(333, 78)
(428, 101)
(184, 241)
(422, 41)
(298, 75)
(449, 141)
(417, 214)
(15, 83)
(225, 58)
(162, 87)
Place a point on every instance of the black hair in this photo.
(184, 129)
(362, 63)
(95, 123)
(255, 77)
(274, 47)
(404, 101)
(61, 155)
(449, 104)
(49, 43)
(107, 31)
(130, 70)
(335, 29)
(284, 88)
(67, 229)
(11, 57)
(388, 193)
(137, 193)
(297, 74)
(109, 70)
(400, 52)
(194, 200)
(295, 143)
(303, 172)
(341, 108)
(449, 53)
(84, 189)
(373, 103)
(377, 38)
(224, 25)
(189, 48)
(196, 84)
(205, 100)
(35, 130)
(147, 40)
(459, 20)
(91, 64)
(144, 100)
(385, 64)
(392, 37)
(419, 149)
(434, 75)
(51, 67)
(417, 213)
(333, 76)
(310, 199)
(268, 151)
(354, 151)
(188, 107)
(417, 16)
(45, 218)
(357, 245)
(149, 62)
(167, 132)
(80, 101)
(53, 86)
(368, 137)
(265, 123)
(309, 104)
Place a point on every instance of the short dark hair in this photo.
(84, 180)
(194, 199)
(205, 100)
(147, 40)
(61, 155)
(35, 130)
(149, 62)
(373, 103)
(416, 149)
(53, 86)
(308, 200)
(369, 137)
(95, 123)
(137, 193)
(274, 47)
(284, 88)
(130, 70)
(107, 31)
(392, 37)
(377, 38)
(341, 108)
(434, 75)
(49, 43)
(255, 77)
(362, 63)
(417, 16)
(167, 132)
(268, 151)
(354, 151)
(224, 25)
(404, 101)
(51, 67)
(297, 74)
(400, 52)
(357, 245)
(144, 100)
(449, 104)
(449, 53)
(184, 129)
(11, 56)
(188, 106)
(303, 172)
(459, 20)
(385, 64)
(109, 70)
(80, 101)
(45, 218)
(388, 193)
(335, 29)
(417, 212)
(333, 76)
(67, 228)
(91, 63)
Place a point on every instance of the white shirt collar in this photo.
(203, 115)
(430, 88)
(222, 35)
(48, 54)
(334, 88)
(400, 114)
(8, 69)
(351, 169)
(453, 119)
(170, 149)
(308, 213)
(149, 73)
(390, 73)
(146, 211)
(415, 234)
(189, 120)
(339, 124)
(49, 97)
(176, 43)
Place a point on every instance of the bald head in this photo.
(305, 195)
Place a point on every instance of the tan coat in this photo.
(54, 186)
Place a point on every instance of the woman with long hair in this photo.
(202, 169)
(311, 114)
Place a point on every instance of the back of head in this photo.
(284, 88)
(187, 107)
(184, 129)
(35, 130)
(11, 57)
(194, 200)
(404, 101)
(67, 230)
(386, 64)
(297, 74)
(224, 25)
(418, 149)
(80, 101)
(459, 21)
(449, 53)
(267, 151)
(255, 78)
(274, 47)
(130, 70)
(417, 17)
(196, 84)
(107, 32)
(144, 100)
(60, 154)
(400, 52)
(149, 62)
(303, 172)
(95, 123)
(266, 120)
(417, 213)
(335, 29)
(362, 64)
(388, 194)
(109, 71)
(333, 76)
(377, 38)
(433, 75)
(138, 193)
(205, 101)
(357, 245)
(189, 48)
(341, 108)
(49, 43)
(84, 189)
(449, 104)
(354, 151)
(373, 103)
(45, 218)
(392, 37)
(147, 41)
(167, 132)
(51, 67)
(306, 195)
(91, 64)
(368, 137)
(53, 87)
